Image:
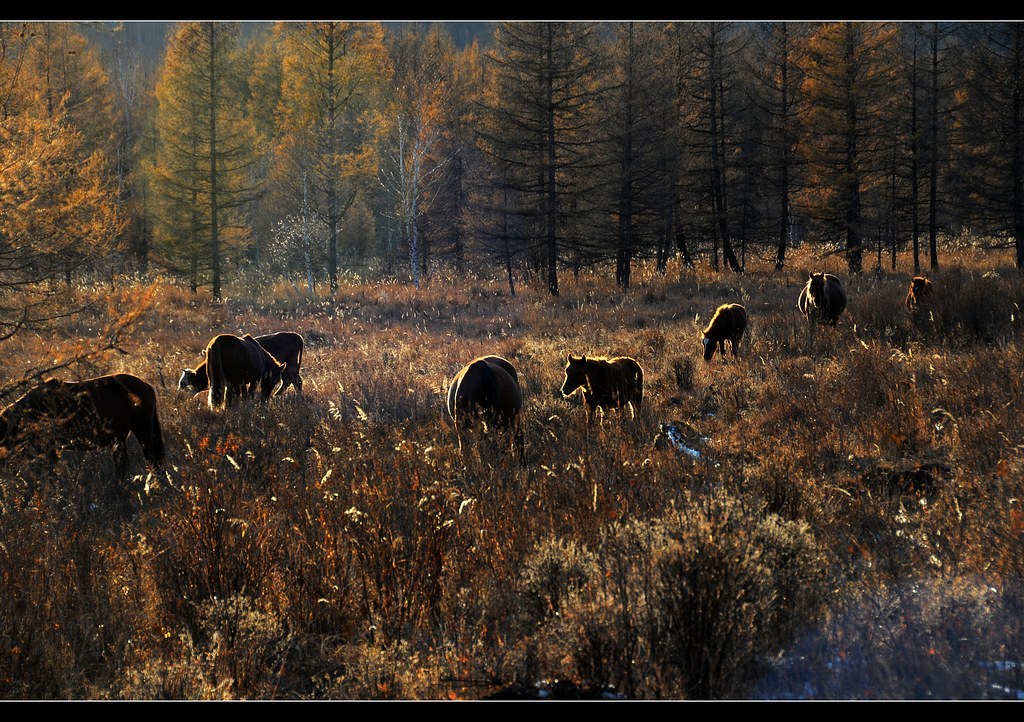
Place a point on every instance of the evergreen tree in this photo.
(993, 133)
(538, 130)
(57, 202)
(639, 101)
(418, 148)
(712, 109)
(448, 218)
(204, 152)
(776, 70)
(332, 77)
(848, 74)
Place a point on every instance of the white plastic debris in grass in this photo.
(671, 431)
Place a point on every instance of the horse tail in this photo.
(638, 380)
(298, 368)
(215, 374)
(488, 394)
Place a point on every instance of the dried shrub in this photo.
(733, 587)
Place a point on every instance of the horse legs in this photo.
(122, 458)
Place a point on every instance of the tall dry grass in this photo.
(852, 528)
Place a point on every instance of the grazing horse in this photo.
(920, 288)
(284, 346)
(606, 382)
(100, 411)
(822, 298)
(235, 364)
(487, 389)
(728, 324)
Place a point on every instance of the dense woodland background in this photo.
(218, 151)
(410, 196)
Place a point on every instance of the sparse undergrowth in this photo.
(848, 525)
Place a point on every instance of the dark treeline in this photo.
(214, 151)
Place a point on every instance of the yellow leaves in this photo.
(56, 195)
(358, 63)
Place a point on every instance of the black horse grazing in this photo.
(822, 298)
(728, 324)
(101, 411)
(486, 389)
(920, 289)
(285, 346)
(606, 382)
(235, 364)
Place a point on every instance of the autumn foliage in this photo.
(831, 513)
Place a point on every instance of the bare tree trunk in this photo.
(933, 185)
(780, 254)
(854, 241)
(916, 231)
(506, 241)
(551, 206)
(214, 232)
(306, 255)
(718, 177)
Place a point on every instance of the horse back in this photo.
(487, 385)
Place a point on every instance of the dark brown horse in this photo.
(284, 346)
(728, 324)
(235, 364)
(608, 383)
(920, 289)
(822, 298)
(101, 411)
(486, 389)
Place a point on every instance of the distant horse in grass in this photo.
(607, 383)
(98, 412)
(486, 390)
(822, 298)
(920, 289)
(728, 324)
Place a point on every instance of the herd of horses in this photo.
(106, 410)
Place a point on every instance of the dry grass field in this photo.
(851, 528)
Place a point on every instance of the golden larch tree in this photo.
(204, 153)
(848, 73)
(331, 79)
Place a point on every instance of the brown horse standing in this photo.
(920, 288)
(100, 411)
(728, 324)
(487, 389)
(608, 383)
(234, 363)
(285, 346)
(822, 298)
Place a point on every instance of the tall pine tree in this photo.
(849, 77)
(332, 78)
(538, 131)
(204, 152)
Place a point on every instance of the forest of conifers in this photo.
(248, 151)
